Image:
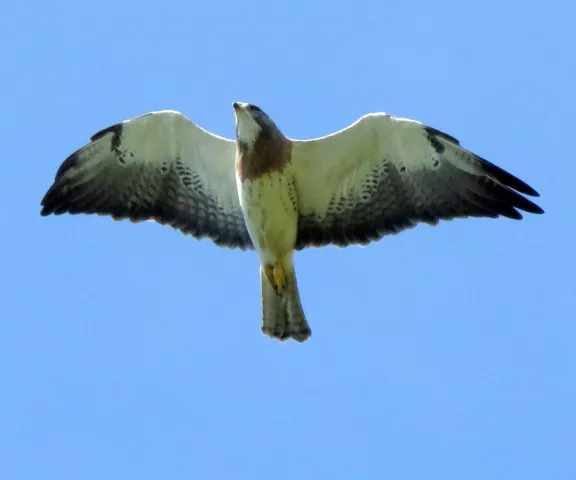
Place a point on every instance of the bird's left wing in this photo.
(383, 174)
(159, 166)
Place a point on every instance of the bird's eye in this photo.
(254, 108)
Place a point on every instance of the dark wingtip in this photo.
(51, 199)
(49, 202)
(537, 209)
(513, 184)
(45, 202)
(507, 178)
(54, 195)
(498, 173)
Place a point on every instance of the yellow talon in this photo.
(279, 277)
(275, 275)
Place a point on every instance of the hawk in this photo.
(275, 195)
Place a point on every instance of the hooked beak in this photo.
(239, 106)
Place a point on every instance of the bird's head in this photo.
(252, 123)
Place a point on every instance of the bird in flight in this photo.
(266, 192)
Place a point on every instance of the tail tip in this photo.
(300, 335)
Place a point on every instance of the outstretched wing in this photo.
(159, 166)
(382, 175)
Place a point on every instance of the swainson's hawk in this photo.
(264, 191)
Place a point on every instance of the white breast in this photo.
(248, 130)
(270, 214)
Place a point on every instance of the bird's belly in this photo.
(269, 210)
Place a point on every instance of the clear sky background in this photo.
(133, 351)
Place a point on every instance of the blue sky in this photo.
(132, 351)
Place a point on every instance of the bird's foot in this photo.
(275, 275)
(279, 277)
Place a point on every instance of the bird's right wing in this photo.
(159, 166)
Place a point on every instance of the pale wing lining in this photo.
(159, 167)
